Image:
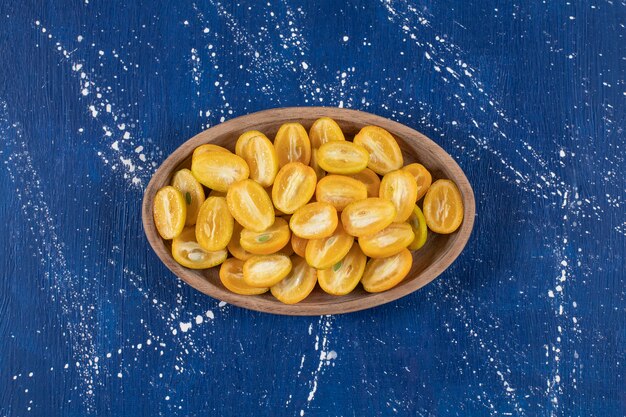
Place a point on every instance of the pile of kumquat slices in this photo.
(282, 216)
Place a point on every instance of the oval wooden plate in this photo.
(428, 262)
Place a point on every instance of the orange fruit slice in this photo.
(368, 216)
(340, 191)
(319, 172)
(314, 221)
(298, 284)
(250, 205)
(219, 170)
(370, 179)
(326, 252)
(294, 186)
(423, 179)
(324, 130)
(169, 211)
(292, 144)
(260, 155)
(385, 154)
(389, 241)
(418, 224)
(231, 275)
(192, 191)
(244, 138)
(187, 252)
(299, 245)
(234, 246)
(268, 241)
(342, 157)
(214, 226)
(443, 207)
(208, 147)
(385, 273)
(343, 276)
(400, 188)
(266, 270)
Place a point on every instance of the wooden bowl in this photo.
(428, 262)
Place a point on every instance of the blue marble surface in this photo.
(529, 97)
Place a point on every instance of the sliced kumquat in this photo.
(266, 270)
(260, 155)
(187, 252)
(418, 224)
(324, 130)
(342, 157)
(385, 273)
(368, 216)
(423, 179)
(340, 191)
(314, 221)
(231, 275)
(399, 187)
(250, 205)
(170, 212)
(268, 241)
(214, 226)
(443, 207)
(343, 276)
(206, 148)
(389, 241)
(192, 191)
(299, 245)
(326, 252)
(219, 170)
(370, 179)
(292, 144)
(298, 284)
(244, 138)
(319, 172)
(294, 186)
(385, 154)
(234, 246)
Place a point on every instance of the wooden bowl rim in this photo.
(334, 305)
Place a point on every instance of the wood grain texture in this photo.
(527, 97)
(436, 255)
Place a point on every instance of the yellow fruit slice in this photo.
(443, 207)
(298, 284)
(260, 155)
(219, 170)
(250, 205)
(299, 245)
(266, 270)
(385, 273)
(367, 216)
(192, 191)
(423, 179)
(343, 276)
(231, 275)
(400, 188)
(268, 241)
(418, 224)
(187, 252)
(342, 157)
(324, 130)
(385, 154)
(370, 179)
(292, 144)
(244, 138)
(340, 191)
(170, 211)
(294, 186)
(214, 227)
(389, 241)
(314, 221)
(234, 246)
(208, 147)
(326, 252)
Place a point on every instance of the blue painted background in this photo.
(529, 97)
